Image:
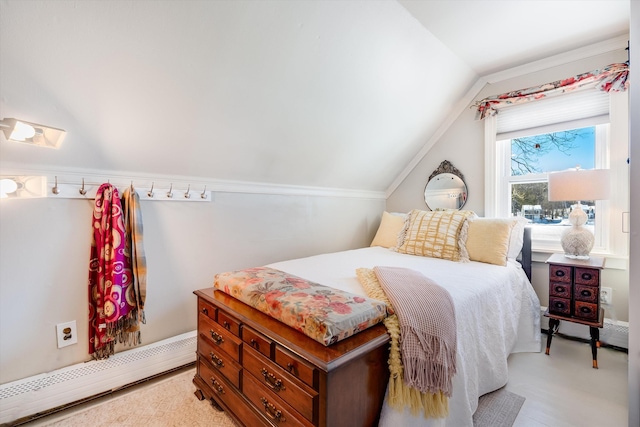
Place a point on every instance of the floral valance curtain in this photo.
(611, 78)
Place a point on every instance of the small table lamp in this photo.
(577, 240)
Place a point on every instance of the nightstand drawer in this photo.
(586, 310)
(560, 273)
(587, 276)
(587, 293)
(559, 289)
(560, 306)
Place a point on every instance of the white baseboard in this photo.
(615, 333)
(43, 392)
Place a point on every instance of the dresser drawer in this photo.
(297, 367)
(560, 273)
(278, 412)
(219, 387)
(207, 309)
(587, 293)
(229, 323)
(269, 375)
(560, 289)
(587, 276)
(257, 341)
(220, 361)
(560, 306)
(219, 337)
(586, 310)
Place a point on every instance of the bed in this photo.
(497, 311)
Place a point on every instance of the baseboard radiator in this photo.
(614, 333)
(40, 393)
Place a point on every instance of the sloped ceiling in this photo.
(339, 94)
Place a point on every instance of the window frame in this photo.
(612, 154)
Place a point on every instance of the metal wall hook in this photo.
(186, 194)
(55, 189)
(82, 190)
(203, 195)
(170, 192)
(150, 193)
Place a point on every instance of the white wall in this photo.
(44, 247)
(463, 145)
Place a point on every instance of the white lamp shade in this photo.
(579, 185)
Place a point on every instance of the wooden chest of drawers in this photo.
(264, 373)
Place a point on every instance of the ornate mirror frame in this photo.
(445, 188)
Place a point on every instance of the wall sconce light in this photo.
(32, 133)
(19, 187)
(578, 185)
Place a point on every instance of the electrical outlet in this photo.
(606, 295)
(67, 333)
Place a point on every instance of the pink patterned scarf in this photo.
(111, 312)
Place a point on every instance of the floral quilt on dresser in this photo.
(323, 313)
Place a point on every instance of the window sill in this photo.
(613, 261)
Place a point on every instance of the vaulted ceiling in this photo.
(339, 94)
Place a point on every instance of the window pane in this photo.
(547, 219)
(553, 151)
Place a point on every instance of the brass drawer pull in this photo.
(291, 367)
(272, 412)
(205, 311)
(271, 380)
(218, 387)
(226, 324)
(216, 337)
(254, 343)
(215, 359)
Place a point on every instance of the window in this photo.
(531, 158)
(524, 143)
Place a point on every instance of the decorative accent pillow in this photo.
(390, 226)
(434, 234)
(325, 314)
(488, 240)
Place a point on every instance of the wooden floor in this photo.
(563, 390)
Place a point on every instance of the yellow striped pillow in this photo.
(434, 234)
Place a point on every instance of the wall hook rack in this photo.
(67, 189)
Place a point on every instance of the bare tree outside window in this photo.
(538, 155)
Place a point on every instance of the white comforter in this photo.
(497, 313)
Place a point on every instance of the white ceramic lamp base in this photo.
(577, 241)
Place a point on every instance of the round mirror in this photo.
(446, 188)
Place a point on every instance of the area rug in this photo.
(497, 409)
(166, 403)
(171, 402)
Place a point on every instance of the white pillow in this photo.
(516, 240)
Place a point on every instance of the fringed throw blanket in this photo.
(422, 358)
(135, 252)
(112, 301)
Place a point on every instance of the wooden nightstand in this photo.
(574, 296)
